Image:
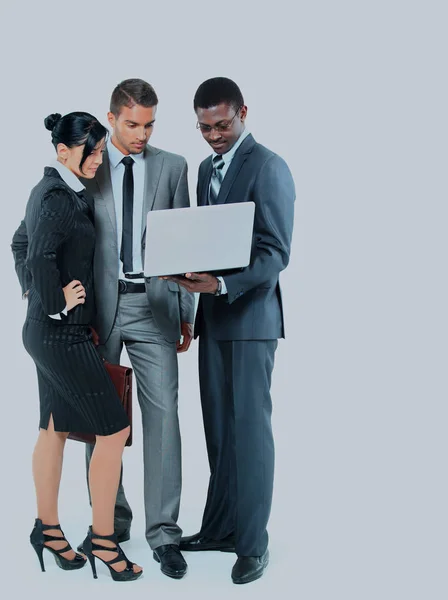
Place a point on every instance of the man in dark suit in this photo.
(239, 321)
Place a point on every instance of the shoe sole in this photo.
(213, 549)
(117, 576)
(173, 576)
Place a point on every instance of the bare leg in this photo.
(47, 468)
(104, 477)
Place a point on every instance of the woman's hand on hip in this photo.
(74, 294)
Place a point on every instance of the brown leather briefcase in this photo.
(122, 379)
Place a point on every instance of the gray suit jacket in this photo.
(166, 186)
(252, 309)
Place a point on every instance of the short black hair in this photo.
(131, 92)
(76, 129)
(218, 90)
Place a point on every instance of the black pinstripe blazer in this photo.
(53, 245)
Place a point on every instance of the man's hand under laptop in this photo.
(203, 283)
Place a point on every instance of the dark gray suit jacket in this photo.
(252, 309)
(166, 187)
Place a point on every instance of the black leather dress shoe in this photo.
(122, 536)
(249, 568)
(172, 563)
(197, 543)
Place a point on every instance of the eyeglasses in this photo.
(219, 127)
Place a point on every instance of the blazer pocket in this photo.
(173, 286)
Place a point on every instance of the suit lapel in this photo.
(104, 182)
(235, 166)
(153, 170)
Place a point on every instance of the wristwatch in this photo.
(219, 288)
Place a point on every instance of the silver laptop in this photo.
(198, 239)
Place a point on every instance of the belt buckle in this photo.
(122, 286)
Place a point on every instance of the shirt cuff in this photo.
(223, 285)
(58, 315)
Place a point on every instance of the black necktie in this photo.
(128, 212)
(216, 179)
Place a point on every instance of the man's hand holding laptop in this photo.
(204, 283)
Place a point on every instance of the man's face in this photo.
(221, 125)
(132, 128)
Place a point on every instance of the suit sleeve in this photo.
(53, 228)
(274, 197)
(182, 200)
(19, 249)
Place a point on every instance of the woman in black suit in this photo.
(53, 251)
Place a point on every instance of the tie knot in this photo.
(127, 161)
(218, 162)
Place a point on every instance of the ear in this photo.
(243, 113)
(62, 151)
(111, 119)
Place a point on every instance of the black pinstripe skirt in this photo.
(74, 385)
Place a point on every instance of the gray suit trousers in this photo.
(154, 361)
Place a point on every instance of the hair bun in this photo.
(51, 121)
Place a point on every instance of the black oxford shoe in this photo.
(172, 563)
(198, 543)
(249, 568)
(122, 536)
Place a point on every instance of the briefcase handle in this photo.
(95, 337)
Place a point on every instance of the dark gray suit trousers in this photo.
(237, 419)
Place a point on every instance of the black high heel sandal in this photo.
(38, 539)
(128, 574)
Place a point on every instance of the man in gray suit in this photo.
(148, 316)
(239, 320)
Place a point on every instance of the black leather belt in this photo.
(129, 287)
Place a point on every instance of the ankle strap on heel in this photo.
(41, 525)
(110, 538)
(48, 527)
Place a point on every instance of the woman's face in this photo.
(71, 158)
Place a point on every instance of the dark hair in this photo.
(218, 90)
(131, 92)
(76, 129)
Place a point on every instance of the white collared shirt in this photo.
(73, 182)
(227, 158)
(117, 173)
(70, 178)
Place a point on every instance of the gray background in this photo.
(353, 95)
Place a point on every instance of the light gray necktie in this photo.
(216, 179)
